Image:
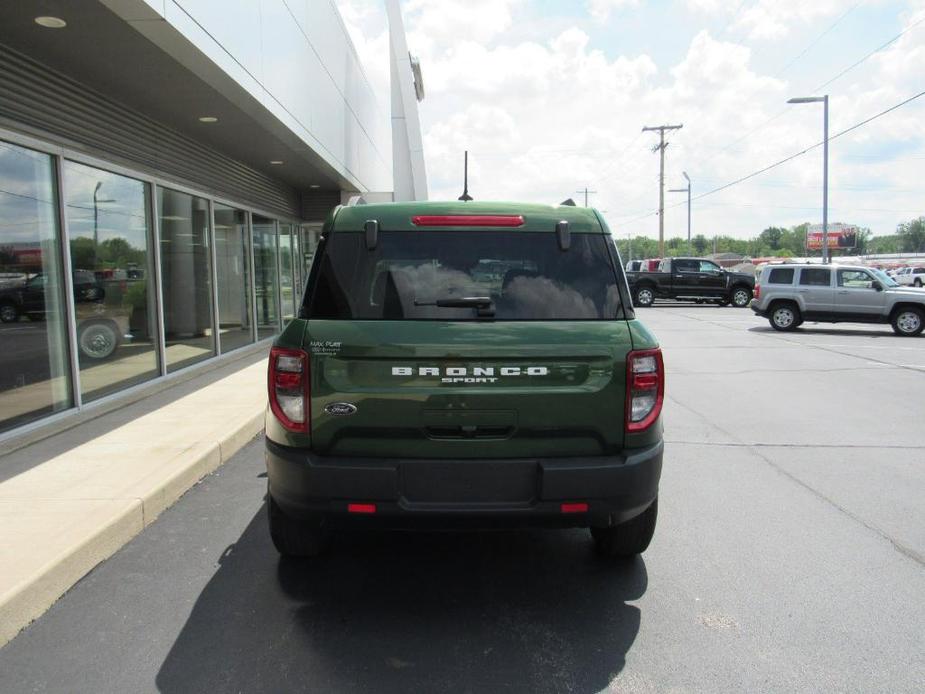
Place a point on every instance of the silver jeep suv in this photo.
(787, 295)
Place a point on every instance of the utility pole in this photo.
(586, 193)
(660, 148)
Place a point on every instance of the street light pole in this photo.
(96, 221)
(688, 191)
(825, 179)
(825, 166)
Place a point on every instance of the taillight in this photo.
(757, 292)
(645, 388)
(288, 388)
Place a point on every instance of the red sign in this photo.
(838, 238)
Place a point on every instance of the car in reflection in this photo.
(100, 328)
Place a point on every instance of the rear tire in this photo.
(629, 538)
(918, 282)
(644, 296)
(785, 317)
(908, 321)
(741, 296)
(8, 312)
(293, 537)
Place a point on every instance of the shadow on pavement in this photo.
(681, 304)
(846, 332)
(528, 611)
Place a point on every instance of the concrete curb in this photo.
(115, 528)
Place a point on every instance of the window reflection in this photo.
(33, 353)
(107, 221)
(185, 277)
(265, 276)
(234, 285)
(287, 274)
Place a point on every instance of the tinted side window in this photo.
(816, 277)
(686, 266)
(781, 275)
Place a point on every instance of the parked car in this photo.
(691, 278)
(415, 389)
(788, 295)
(29, 297)
(100, 328)
(911, 277)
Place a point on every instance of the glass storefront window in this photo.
(311, 235)
(107, 224)
(186, 277)
(265, 276)
(287, 276)
(34, 378)
(234, 285)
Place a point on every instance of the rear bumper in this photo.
(755, 306)
(467, 493)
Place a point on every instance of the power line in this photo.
(820, 87)
(789, 158)
(602, 176)
(817, 40)
(873, 52)
(811, 147)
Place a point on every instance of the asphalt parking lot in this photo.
(789, 557)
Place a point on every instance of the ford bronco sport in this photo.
(464, 365)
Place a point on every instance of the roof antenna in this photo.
(465, 197)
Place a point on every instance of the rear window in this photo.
(524, 275)
(816, 276)
(781, 275)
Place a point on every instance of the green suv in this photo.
(465, 365)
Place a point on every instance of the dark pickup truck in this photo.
(691, 278)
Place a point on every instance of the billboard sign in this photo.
(841, 236)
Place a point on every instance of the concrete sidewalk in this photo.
(76, 498)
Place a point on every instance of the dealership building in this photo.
(165, 168)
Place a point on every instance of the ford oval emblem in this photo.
(340, 409)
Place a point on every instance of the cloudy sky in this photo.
(550, 96)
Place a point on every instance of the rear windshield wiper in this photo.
(485, 307)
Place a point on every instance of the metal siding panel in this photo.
(50, 103)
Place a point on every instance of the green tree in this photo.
(772, 237)
(83, 253)
(700, 244)
(912, 235)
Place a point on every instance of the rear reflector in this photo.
(574, 508)
(468, 220)
(361, 508)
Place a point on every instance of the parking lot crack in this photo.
(755, 449)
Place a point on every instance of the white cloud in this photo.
(769, 19)
(545, 116)
(600, 9)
